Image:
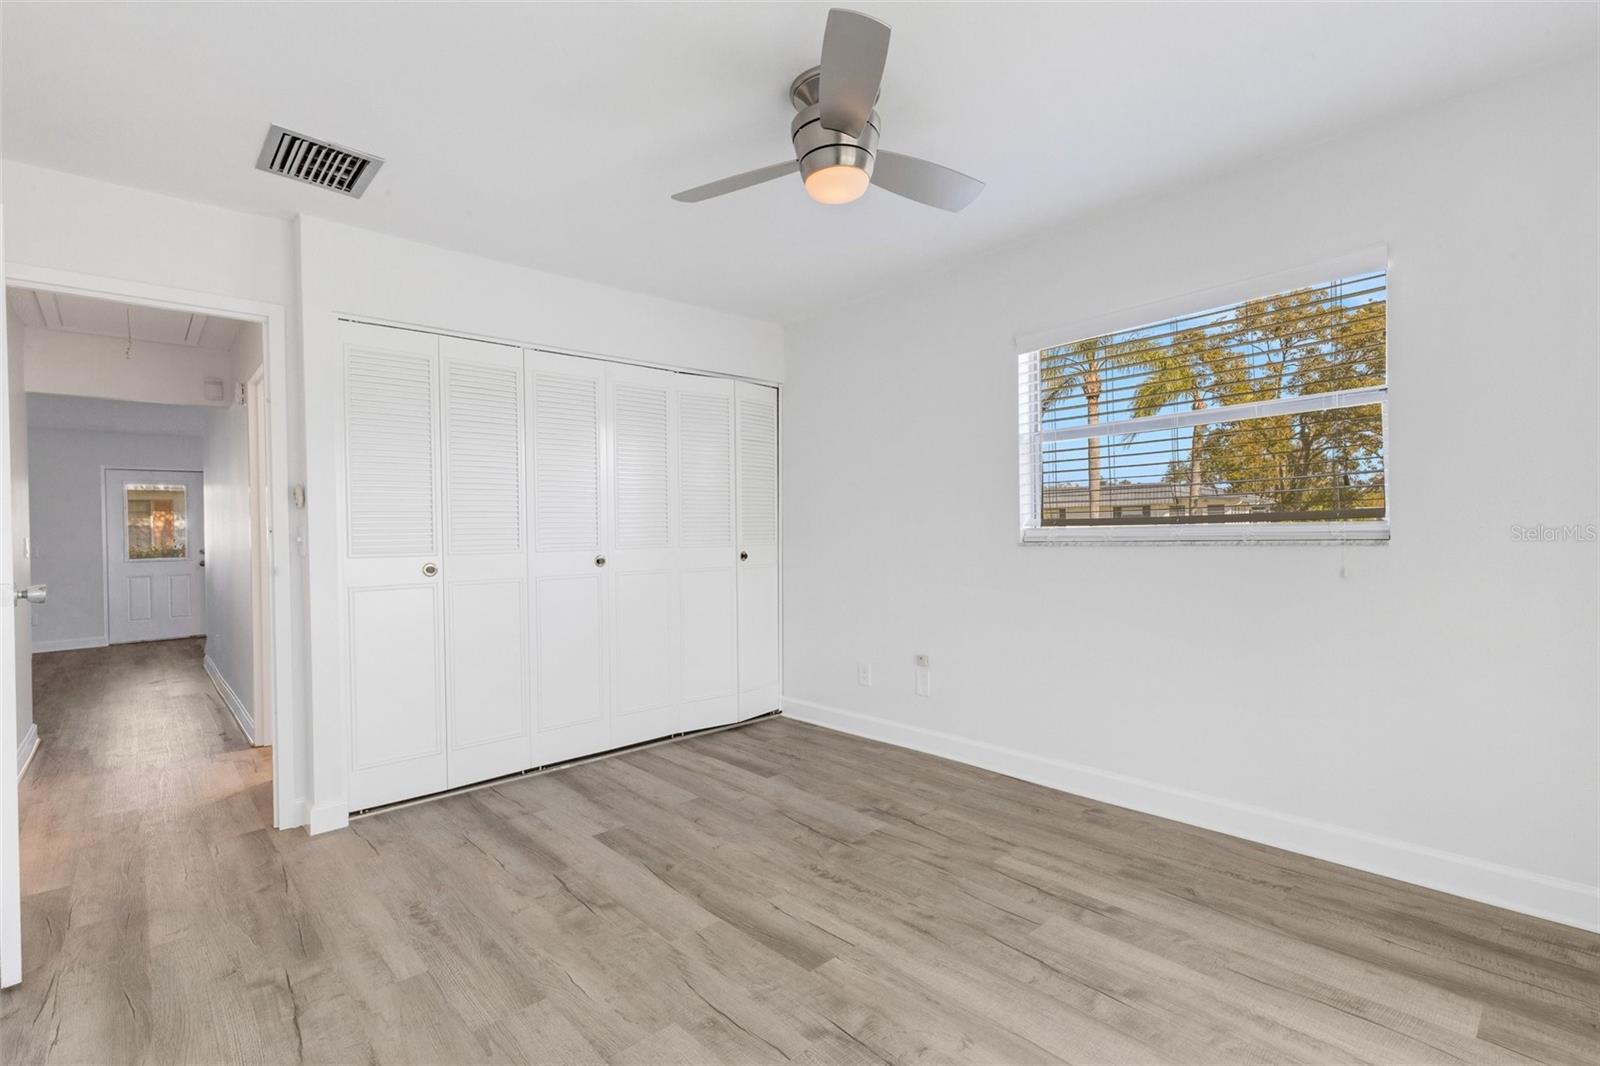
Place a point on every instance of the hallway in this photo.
(142, 806)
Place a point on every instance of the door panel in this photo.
(643, 560)
(178, 595)
(569, 615)
(570, 605)
(759, 650)
(707, 552)
(489, 727)
(154, 541)
(645, 623)
(394, 603)
(485, 566)
(397, 732)
(140, 598)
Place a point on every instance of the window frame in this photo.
(1030, 453)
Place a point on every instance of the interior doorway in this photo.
(164, 627)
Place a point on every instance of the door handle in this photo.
(744, 557)
(599, 560)
(32, 594)
(430, 569)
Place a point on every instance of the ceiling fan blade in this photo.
(854, 48)
(723, 186)
(925, 182)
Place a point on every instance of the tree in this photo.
(1178, 372)
(1299, 343)
(1082, 367)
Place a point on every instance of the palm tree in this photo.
(1178, 372)
(1082, 367)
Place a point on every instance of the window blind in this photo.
(1268, 410)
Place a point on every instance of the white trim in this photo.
(1331, 268)
(1368, 531)
(1283, 405)
(1524, 891)
(44, 647)
(328, 817)
(241, 713)
(289, 777)
(27, 749)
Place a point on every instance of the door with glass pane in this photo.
(154, 555)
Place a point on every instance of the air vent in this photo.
(294, 155)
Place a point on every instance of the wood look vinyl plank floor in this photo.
(775, 893)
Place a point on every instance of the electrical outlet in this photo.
(924, 681)
(864, 674)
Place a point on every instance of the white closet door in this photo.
(759, 653)
(485, 567)
(393, 610)
(570, 601)
(708, 578)
(643, 559)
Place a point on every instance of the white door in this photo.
(394, 604)
(708, 576)
(485, 566)
(643, 560)
(155, 560)
(759, 653)
(569, 603)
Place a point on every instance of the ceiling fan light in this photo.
(837, 184)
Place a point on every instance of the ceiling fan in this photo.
(835, 134)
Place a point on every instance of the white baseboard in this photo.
(325, 819)
(1541, 896)
(241, 713)
(27, 749)
(70, 644)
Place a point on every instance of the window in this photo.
(1263, 418)
(158, 521)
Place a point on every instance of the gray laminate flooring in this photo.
(776, 893)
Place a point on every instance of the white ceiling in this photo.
(108, 318)
(552, 135)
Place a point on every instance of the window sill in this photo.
(1368, 532)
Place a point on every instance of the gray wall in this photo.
(71, 440)
(229, 607)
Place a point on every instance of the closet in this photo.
(546, 556)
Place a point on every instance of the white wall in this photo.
(1427, 708)
(80, 364)
(356, 273)
(229, 581)
(20, 566)
(71, 440)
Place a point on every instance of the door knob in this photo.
(429, 569)
(599, 560)
(744, 557)
(32, 594)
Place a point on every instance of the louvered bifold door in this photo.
(485, 566)
(570, 595)
(643, 559)
(708, 579)
(393, 601)
(757, 501)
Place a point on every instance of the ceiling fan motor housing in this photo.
(817, 147)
